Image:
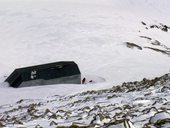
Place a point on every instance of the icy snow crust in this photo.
(90, 32)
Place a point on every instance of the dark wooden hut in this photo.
(53, 73)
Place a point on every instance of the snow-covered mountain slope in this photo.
(93, 33)
(90, 32)
(144, 104)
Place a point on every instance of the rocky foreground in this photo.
(143, 104)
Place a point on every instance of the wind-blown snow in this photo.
(90, 32)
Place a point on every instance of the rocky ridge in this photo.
(139, 104)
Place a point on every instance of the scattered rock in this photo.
(143, 23)
(124, 123)
(132, 45)
(72, 126)
(53, 123)
(146, 37)
(138, 103)
(38, 126)
(160, 119)
(164, 27)
(154, 26)
(159, 50)
(1, 124)
(161, 26)
(156, 42)
(20, 101)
